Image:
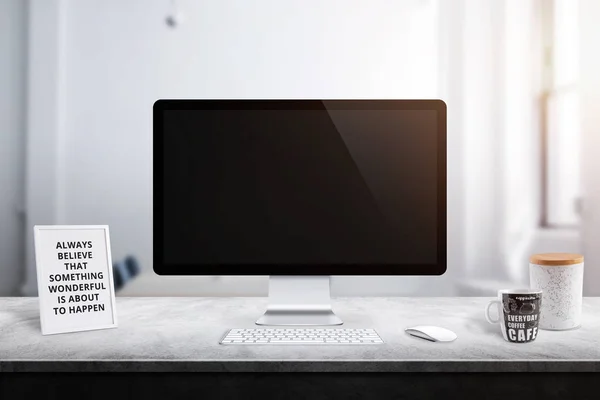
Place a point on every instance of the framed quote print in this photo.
(75, 280)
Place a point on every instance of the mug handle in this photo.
(487, 312)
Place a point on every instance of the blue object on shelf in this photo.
(124, 271)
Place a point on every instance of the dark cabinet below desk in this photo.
(313, 386)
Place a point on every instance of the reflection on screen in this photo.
(300, 187)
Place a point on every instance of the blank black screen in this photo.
(308, 187)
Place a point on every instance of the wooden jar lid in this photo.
(557, 259)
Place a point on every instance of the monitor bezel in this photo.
(161, 268)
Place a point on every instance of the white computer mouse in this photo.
(432, 333)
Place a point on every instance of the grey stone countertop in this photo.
(182, 335)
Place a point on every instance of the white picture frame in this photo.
(84, 262)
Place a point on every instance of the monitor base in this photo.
(299, 300)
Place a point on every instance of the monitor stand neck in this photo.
(299, 300)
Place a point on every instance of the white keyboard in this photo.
(302, 336)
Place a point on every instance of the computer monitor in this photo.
(299, 190)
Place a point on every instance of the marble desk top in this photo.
(182, 334)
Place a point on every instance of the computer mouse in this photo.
(432, 333)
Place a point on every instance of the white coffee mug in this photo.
(518, 314)
(560, 276)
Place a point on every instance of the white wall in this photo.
(13, 45)
(501, 136)
(117, 58)
(481, 119)
(589, 87)
(520, 136)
